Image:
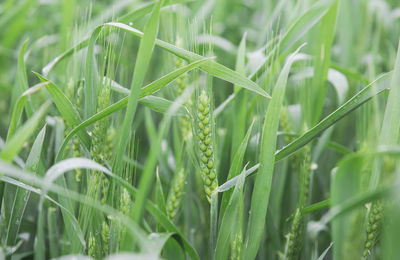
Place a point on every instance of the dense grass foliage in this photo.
(208, 129)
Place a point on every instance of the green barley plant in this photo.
(179, 129)
(204, 131)
(175, 194)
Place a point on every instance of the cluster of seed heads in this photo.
(373, 226)
(305, 175)
(105, 235)
(92, 246)
(101, 152)
(125, 202)
(296, 232)
(295, 236)
(205, 137)
(99, 134)
(175, 194)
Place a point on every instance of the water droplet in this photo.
(130, 23)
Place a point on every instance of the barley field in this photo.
(200, 129)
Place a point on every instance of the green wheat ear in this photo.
(125, 202)
(295, 236)
(92, 246)
(205, 137)
(373, 227)
(105, 235)
(297, 229)
(175, 194)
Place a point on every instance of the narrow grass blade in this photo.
(21, 195)
(229, 220)
(162, 105)
(389, 134)
(235, 167)
(211, 67)
(262, 186)
(19, 106)
(66, 109)
(53, 232)
(317, 206)
(322, 62)
(148, 173)
(240, 105)
(23, 78)
(345, 184)
(213, 222)
(357, 100)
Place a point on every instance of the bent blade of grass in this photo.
(262, 186)
(22, 195)
(57, 170)
(84, 163)
(66, 109)
(216, 69)
(229, 220)
(147, 90)
(235, 167)
(211, 67)
(322, 62)
(31, 189)
(353, 103)
(19, 106)
(23, 78)
(357, 100)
